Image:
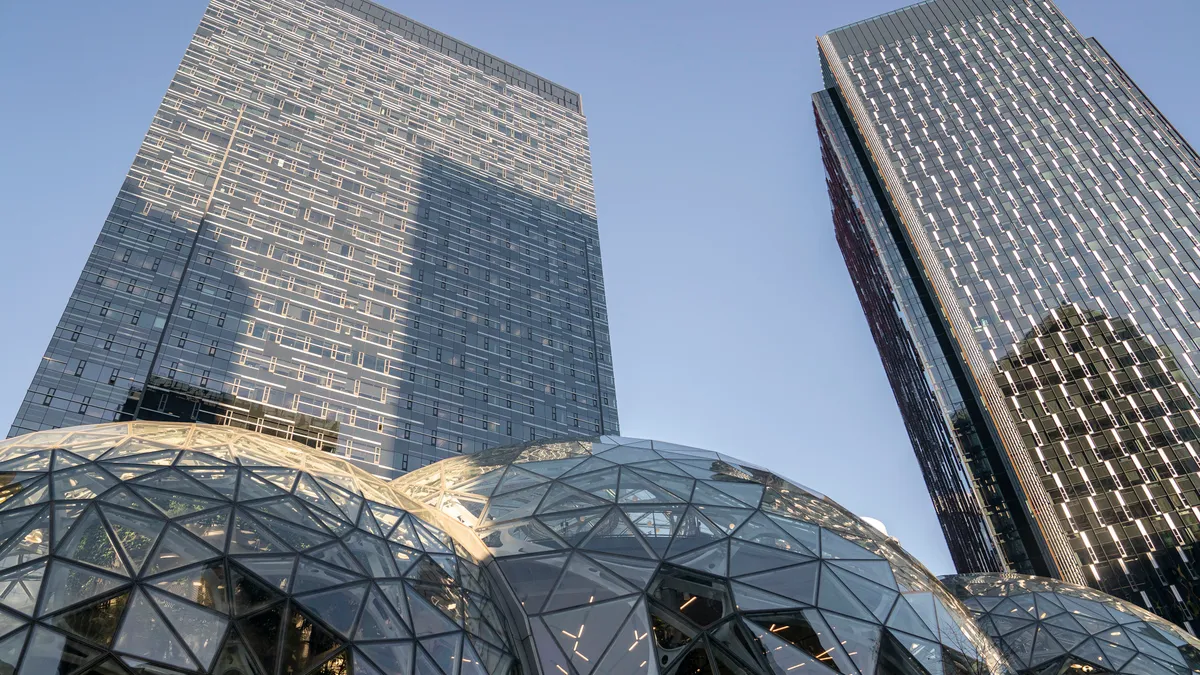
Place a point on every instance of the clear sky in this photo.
(734, 323)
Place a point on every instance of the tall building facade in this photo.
(1020, 225)
(347, 229)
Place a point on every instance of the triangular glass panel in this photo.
(248, 593)
(296, 537)
(338, 608)
(35, 460)
(704, 494)
(473, 664)
(783, 656)
(175, 505)
(835, 596)
(275, 571)
(252, 487)
(394, 658)
(516, 479)
(1006, 624)
(89, 542)
(312, 575)
(635, 489)
(205, 585)
(64, 460)
(746, 492)
(159, 458)
(395, 592)
(712, 559)
(532, 578)
(123, 496)
(806, 631)
(602, 484)
(760, 529)
(901, 648)
(632, 649)
(308, 490)
(249, 536)
(552, 468)
(235, 658)
(85, 482)
(144, 634)
(261, 635)
(1017, 645)
(32, 541)
(583, 634)
(859, 639)
(19, 587)
(200, 629)
(666, 476)
(379, 621)
(11, 649)
(425, 619)
(136, 534)
(834, 547)
(284, 479)
(586, 582)
(203, 458)
(172, 481)
(222, 480)
(1045, 648)
(51, 652)
(589, 465)
(805, 533)
(573, 527)
(562, 498)
(366, 521)
(614, 534)
(726, 518)
(519, 537)
(16, 495)
(371, 553)
(177, 549)
(694, 531)
(878, 571)
(336, 554)
(65, 515)
(655, 524)
(444, 652)
(904, 618)
(96, 622)
(747, 558)
(514, 505)
(433, 541)
(875, 597)
(798, 583)
(210, 526)
(347, 501)
(1117, 655)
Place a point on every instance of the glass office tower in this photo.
(1020, 224)
(351, 230)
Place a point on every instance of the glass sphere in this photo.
(1049, 626)
(634, 556)
(179, 548)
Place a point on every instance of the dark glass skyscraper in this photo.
(1020, 224)
(349, 229)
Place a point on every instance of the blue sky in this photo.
(734, 323)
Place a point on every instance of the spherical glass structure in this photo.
(1052, 627)
(176, 548)
(631, 556)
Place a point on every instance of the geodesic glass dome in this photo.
(175, 548)
(1049, 627)
(632, 556)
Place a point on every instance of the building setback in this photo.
(348, 229)
(1020, 224)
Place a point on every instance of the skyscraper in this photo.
(345, 228)
(1020, 224)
